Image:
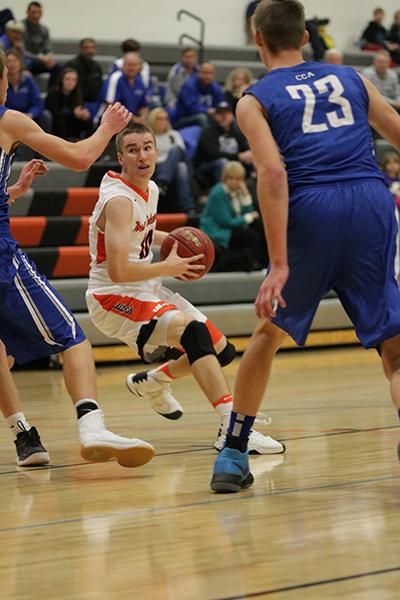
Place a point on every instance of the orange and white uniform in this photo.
(137, 313)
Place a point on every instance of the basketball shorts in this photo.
(140, 317)
(343, 237)
(34, 321)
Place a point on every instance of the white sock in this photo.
(17, 423)
(224, 406)
(161, 374)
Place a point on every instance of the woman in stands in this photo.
(173, 167)
(391, 172)
(71, 120)
(232, 223)
(237, 81)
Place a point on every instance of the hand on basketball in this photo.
(269, 296)
(182, 268)
(116, 117)
(28, 173)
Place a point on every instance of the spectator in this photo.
(333, 56)
(126, 86)
(232, 223)
(13, 36)
(38, 54)
(221, 141)
(131, 45)
(89, 70)
(172, 162)
(237, 81)
(197, 98)
(394, 33)
(375, 34)
(391, 172)
(179, 73)
(23, 93)
(384, 78)
(71, 120)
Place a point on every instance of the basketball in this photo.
(191, 241)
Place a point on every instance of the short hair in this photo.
(233, 168)
(86, 39)
(130, 45)
(281, 24)
(188, 49)
(34, 4)
(133, 127)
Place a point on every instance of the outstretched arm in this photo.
(79, 156)
(273, 197)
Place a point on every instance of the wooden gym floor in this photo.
(320, 522)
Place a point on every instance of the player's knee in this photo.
(390, 354)
(196, 341)
(227, 355)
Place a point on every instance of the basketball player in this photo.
(329, 219)
(34, 322)
(127, 300)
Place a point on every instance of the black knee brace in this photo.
(196, 341)
(227, 355)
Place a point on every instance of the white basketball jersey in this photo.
(142, 227)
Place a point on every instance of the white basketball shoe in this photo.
(143, 385)
(258, 443)
(99, 445)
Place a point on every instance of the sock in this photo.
(162, 374)
(239, 431)
(17, 423)
(223, 406)
(85, 406)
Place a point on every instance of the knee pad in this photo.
(196, 341)
(227, 355)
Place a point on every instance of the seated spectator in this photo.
(179, 73)
(197, 98)
(232, 223)
(126, 86)
(89, 70)
(394, 33)
(237, 81)
(38, 54)
(333, 56)
(13, 36)
(71, 120)
(391, 173)
(23, 93)
(374, 35)
(384, 78)
(131, 45)
(172, 162)
(5, 15)
(221, 141)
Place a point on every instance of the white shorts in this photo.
(139, 318)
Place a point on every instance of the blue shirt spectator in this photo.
(23, 93)
(199, 96)
(179, 73)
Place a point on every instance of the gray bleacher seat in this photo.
(58, 178)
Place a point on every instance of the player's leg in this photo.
(30, 450)
(390, 354)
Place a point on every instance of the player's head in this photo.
(3, 78)
(279, 25)
(137, 151)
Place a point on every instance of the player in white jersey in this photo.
(126, 298)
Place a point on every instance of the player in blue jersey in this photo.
(34, 321)
(329, 220)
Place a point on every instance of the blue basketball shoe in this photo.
(231, 471)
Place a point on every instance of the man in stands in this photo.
(38, 55)
(220, 142)
(333, 56)
(89, 70)
(198, 98)
(179, 73)
(384, 78)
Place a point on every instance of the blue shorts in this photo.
(343, 237)
(34, 321)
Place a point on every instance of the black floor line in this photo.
(300, 586)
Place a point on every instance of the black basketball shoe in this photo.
(30, 450)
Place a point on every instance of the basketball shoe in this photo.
(99, 445)
(258, 443)
(231, 471)
(143, 385)
(30, 450)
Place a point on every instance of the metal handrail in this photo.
(200, 41)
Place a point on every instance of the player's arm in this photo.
(273, 198)
(28, 173)
(381, 116)
(79, 156)
(117, 233)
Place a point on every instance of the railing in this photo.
(198, 41)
